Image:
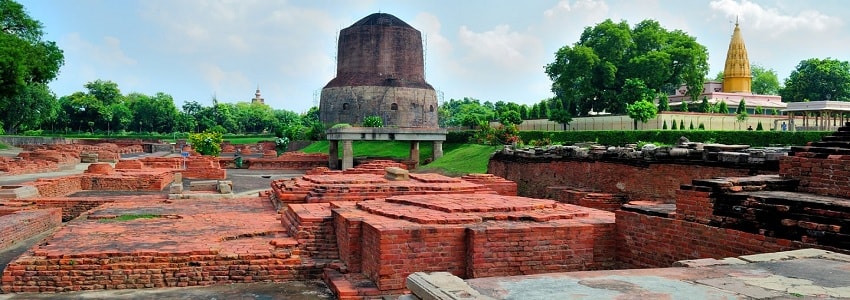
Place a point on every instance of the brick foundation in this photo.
(23, 224)
(656, 181)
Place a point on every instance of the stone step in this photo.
(832, 144)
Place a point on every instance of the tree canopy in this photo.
(818, 79)
(590, 75)
(26, 63)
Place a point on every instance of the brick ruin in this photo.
(363, 230)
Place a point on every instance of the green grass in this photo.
(248, 139)
(377, 149)
(461, 159)
(123, 218)
(458, 158)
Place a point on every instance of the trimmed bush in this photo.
(620, 138)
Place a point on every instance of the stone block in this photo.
(204, 185)
(178, 177)
(225, 186)
(175, 188)
(18, 191)
(441, 286)
(396, 173)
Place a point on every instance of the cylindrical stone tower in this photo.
(380, 72)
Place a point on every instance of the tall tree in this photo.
(26, 63)
(765, 81)
(639, 99)
(592, 72)
(818, 79)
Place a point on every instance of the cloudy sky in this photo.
(486, 49)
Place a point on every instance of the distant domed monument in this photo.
(380, 72)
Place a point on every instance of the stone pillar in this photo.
(414, 152)
(333, 155)
(438, 150)
(347, 154)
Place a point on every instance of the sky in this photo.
(491, 50)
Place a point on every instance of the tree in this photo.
(765, 81)
(27, 63)
(642, 111)
(682, 124)
(663, 102)
(510, 117)
(741, 113)
(703, 105)
(561, 116)
(665, 125)
(815, 79)
(759, 110)
(722, 107)
(592, 72)
(153, 114)
(34, 105)
(684, 106)
(674, 126)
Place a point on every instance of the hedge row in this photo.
(618, 138)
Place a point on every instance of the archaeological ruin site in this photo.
(690, 221)
(137, 215)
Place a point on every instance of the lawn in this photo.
(458, 158)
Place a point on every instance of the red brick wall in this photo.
(128, 182)
(151, 271)
(57, 187)
(517, 250)
(389, 255)
(349, 241)
(24, 224)
(71, 208)
(817, 175)
(312, 225)
(657, 182)
(652, 242)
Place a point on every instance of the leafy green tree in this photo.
(523, 112)
(704, 107)
(759, 110)
(642, 111)
(765, 81)
(27, 63)
(818, 79)
(592, 72)
(561, 116)
(742, 106)
(510, 117)
(684, 106)
(723, 108)
(32, 106)
(663, 102)
(153, 114)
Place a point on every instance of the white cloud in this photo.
(501, 46)
(773, 21)
(589, 8)
(218, 78)
(108, 53)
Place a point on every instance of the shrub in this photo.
(665, 125)
(691, 127)
(207, 142)
(701, 126)
(682, 124)
(674, 125)
(759, 127)
(281, 143)
(373, 121)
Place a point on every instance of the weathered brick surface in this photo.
(362, 185)
(469, 235)
(289, 161)
(586, 198)
(24, 224)
(656, 181)
(188, 243)
(823, 176)
(312, 226)
(645, 241)
(498, 184)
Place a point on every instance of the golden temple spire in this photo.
(737, 77)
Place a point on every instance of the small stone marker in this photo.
(396, 173)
